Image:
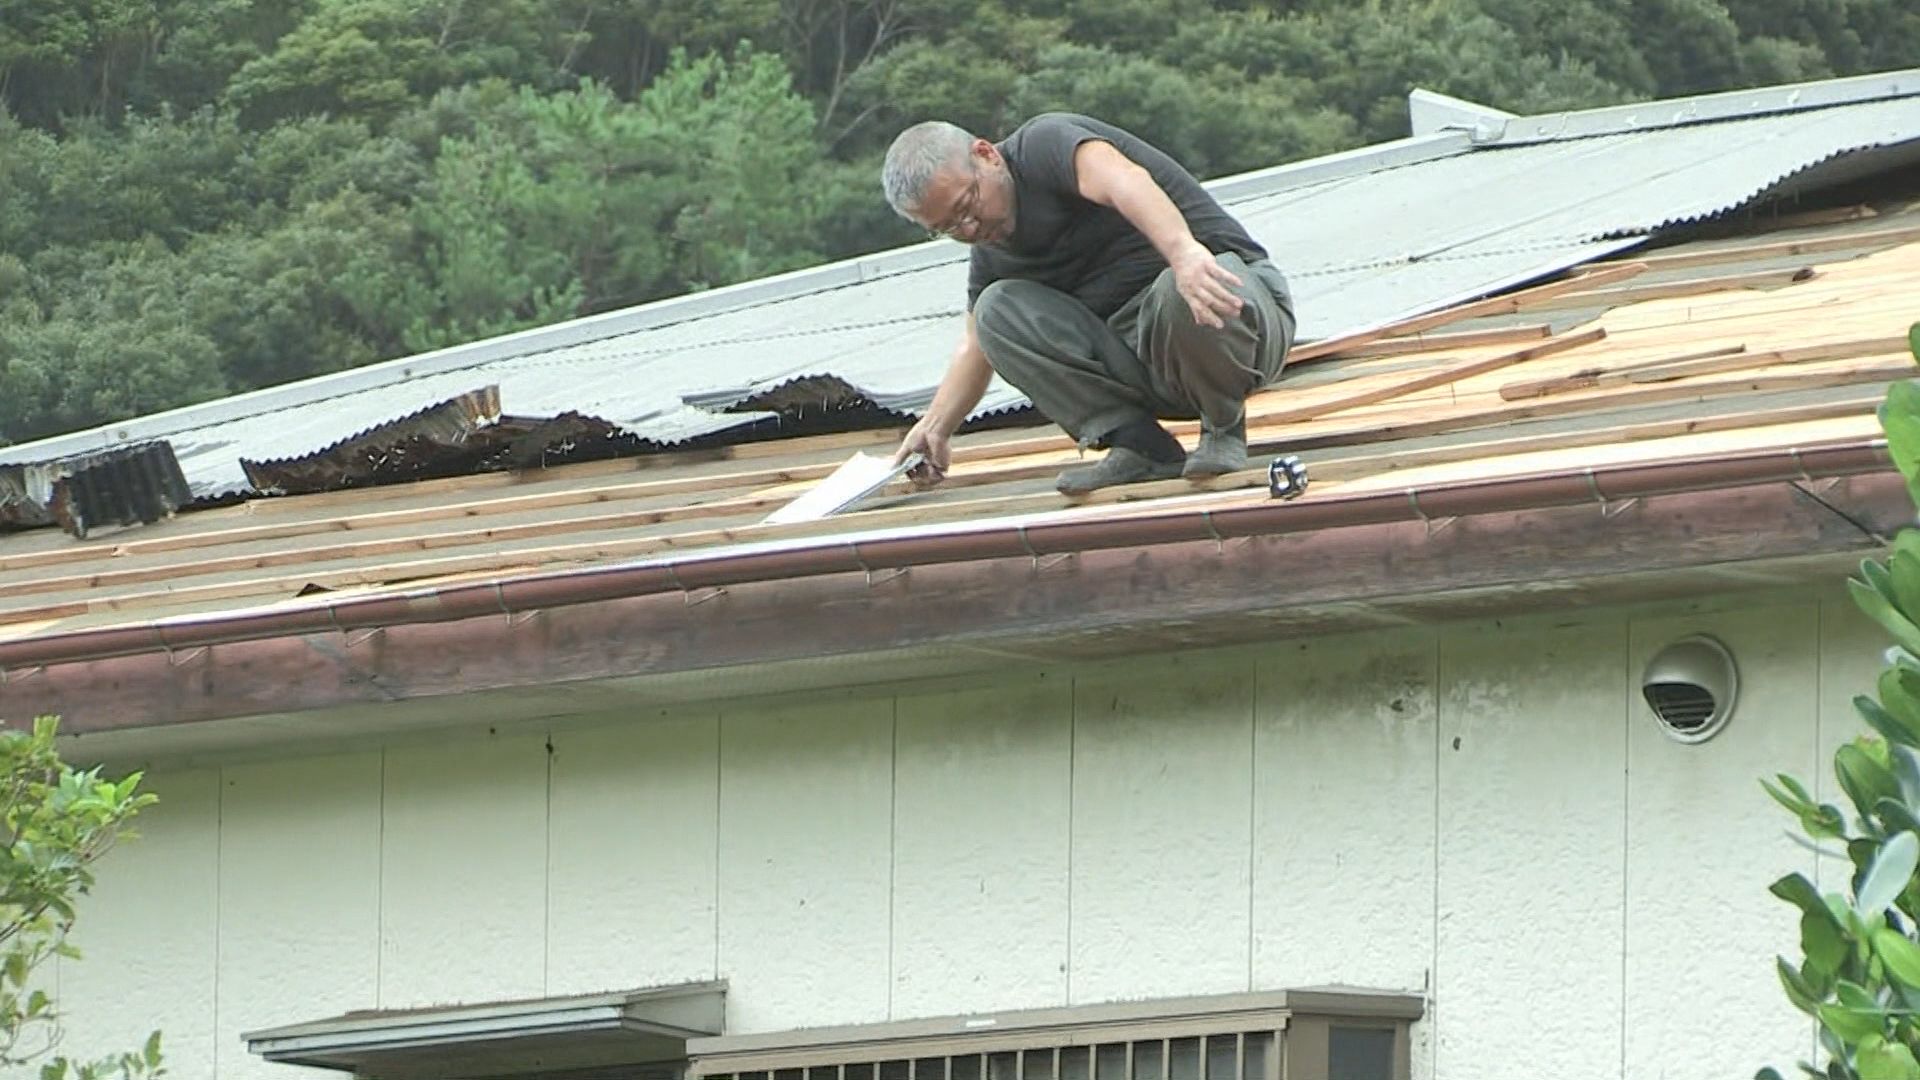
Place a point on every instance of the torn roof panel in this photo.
(1369, 239)
(136, 484)
(408, 446)
(1485, 204)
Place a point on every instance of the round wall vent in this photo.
(1691, 685)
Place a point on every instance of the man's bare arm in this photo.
(1108, 177)
(961, 388)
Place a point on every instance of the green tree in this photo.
(118, 340)
(58, 822)
(1213, 122)
(374, 58)
(574, 202)
(204, 196)
(960, 65)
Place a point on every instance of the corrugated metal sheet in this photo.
(408, 448)
(1361, 249)
(136, 484)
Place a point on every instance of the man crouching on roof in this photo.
(1106, 285)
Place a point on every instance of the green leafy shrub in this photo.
(1858, 975)
(58, 821)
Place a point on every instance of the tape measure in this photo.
(1286, 477)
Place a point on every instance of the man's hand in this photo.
(959, 391)
(928, 439)
(1206, 286)
(1107, 177)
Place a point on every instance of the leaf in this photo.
(1793, 802)
(1799, 991)
(1825, 945)
(1826, 823)
(1851, 1025)
(150, 1054)
(1795, 889)
(1801, 841)
(1820, 822)
(1799, 791)
(1876, 574)
(1855, 996)
(1881, 610)
(1900, 419)
(1879, 1059)
(1890, 725)
(1864, 780)
(1913, 341)
(1768, 1073)
(1895, 815)
(1903, 567)
(1899, 954)
(1887, 878)
(1906, 769)
(1899, 687)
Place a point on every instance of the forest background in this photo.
(202, 197)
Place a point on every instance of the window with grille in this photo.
(1285, 1035)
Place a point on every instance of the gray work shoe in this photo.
(1219, 453)
(1120, 466)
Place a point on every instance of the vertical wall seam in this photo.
(219, 851)
(1073, 768)
(893, 854)
(546, 892)
(1819, 740)
(1433, 970)
(719, 778)
(1818, 775)
(1253, 804)
(380, 887)
(1627, 683)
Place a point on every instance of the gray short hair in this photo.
(916, 155)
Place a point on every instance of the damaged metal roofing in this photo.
(1365, 237)
(138, 483)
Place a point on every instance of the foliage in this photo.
(208, 196)
(58, 822)
(1859, 971)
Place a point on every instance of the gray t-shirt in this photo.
(1082, 248)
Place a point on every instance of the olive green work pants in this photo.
(1149, 360)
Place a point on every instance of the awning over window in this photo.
(1285, 1034)
(548, 1036)
(1304, 1034)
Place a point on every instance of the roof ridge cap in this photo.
(1716, 107)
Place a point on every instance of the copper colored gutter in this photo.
(993, 540)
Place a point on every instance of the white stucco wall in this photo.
(1482, 812)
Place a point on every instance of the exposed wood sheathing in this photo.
(1705, 349)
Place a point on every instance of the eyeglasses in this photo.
(963, 220)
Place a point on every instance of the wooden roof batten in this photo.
(907, 548)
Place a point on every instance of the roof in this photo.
(1592, 414)
(1366, 238)
(1786, 338)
